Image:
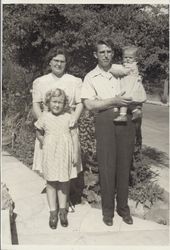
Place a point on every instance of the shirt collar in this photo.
(98, 71)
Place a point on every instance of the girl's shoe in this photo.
(53, 219)
(63, 217)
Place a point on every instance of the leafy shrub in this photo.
(154, 156)
(142, 188)
(146, 193)
(87, 141)
(24, 139)
(29, 31)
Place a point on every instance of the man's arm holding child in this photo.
(99, 104)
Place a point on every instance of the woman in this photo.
(57, 78)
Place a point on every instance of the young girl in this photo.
(60, 154)
(130, 83)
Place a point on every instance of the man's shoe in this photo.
(128, 219)
(108, 221)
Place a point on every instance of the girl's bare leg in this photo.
(52, 202)
(51, 195)
(63, 193)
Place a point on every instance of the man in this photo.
(115, 141)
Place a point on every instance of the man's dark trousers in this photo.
(115, 147)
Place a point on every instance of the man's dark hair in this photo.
(107, 42)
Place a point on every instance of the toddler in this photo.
(60, 154)
(130, 83)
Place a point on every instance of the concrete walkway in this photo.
(85, 224)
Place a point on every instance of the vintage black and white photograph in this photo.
(85, 157)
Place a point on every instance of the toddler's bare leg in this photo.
(123, 115)
(123, 110)
(115, 109)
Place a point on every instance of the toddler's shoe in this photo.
(136, 115)
(121, 118)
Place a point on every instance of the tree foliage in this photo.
(30, 30)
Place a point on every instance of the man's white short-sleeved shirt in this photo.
(100, 83)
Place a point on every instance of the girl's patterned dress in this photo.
(57, 157)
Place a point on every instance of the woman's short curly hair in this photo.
(57, 93)
(54, 52)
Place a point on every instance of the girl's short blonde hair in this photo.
(57, 93)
